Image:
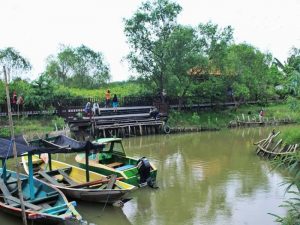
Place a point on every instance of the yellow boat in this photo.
(71, 180)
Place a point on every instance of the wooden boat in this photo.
(42, 202)
(71, 180)
(113, 160)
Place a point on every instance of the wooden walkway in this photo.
(70, 110)
(270, 147)
(249, 121)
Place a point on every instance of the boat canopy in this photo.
(59, 144)
(6, 147)
(64, 144)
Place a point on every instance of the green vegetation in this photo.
(32, 125)
(291, 164)
(221, 118)
(166, 56)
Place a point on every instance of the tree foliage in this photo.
(78, 67)
(13, 62)
(147, 32)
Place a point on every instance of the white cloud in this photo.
(36, 28)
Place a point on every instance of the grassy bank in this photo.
(33, 125)
(221, 118)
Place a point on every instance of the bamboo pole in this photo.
(11, 126)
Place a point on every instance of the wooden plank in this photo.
(112, 181)
(26, 204)
(66, 177)
(95, 182)
(5, 192)
(45, 198)
(49, 178)
(114, 164)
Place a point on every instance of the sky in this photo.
(37, 28)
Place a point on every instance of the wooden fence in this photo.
(67, 106)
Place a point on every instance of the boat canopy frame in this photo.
(59, 144)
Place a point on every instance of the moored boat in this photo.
(42, 202)
(71, 180)
(112, 159)
(76, 182)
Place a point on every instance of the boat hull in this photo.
(105, 196)
(98, 195)
(42, 190)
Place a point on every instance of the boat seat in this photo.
(55, 172)
(44, 198)
(66, 177)
(5, 192)
(15, 181)
(16, 202)
(125, 167)
(114, 164)
(48, 178)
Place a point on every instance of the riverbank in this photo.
(34, 125)
(212, 119)
(221, 118)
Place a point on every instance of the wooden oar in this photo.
(92, 183)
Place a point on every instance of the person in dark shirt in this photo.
(115, 103)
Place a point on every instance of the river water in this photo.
(203, 178)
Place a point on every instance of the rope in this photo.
(105, 204)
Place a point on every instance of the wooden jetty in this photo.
(125, 122)
(192, 129)
(270, 147)
(249, 121)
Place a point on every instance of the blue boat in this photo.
(42, 202)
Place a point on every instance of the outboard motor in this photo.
(144, 168)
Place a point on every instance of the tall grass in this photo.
(34, 125)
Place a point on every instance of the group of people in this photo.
(17, 102)
(115, 101)
(95, 108)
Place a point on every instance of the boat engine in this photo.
(144, 168)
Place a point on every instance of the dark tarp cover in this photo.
(6, 147)
(64, 144)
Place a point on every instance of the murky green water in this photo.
(203, 178)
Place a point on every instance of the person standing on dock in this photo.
(107, 98)
(261, 115)
(115, 103)
(14, 101)
(20, 103)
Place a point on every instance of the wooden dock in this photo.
(125, 122)
(271, 147)
(252, 121)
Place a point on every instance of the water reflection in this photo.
(203, 178)
(210, 178)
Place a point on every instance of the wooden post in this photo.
(49, 161)
(30, 174)
(12, 132)
(87, 169)
(4, 170)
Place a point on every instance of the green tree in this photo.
(13, 62)
(214, 42)
(42, 91)
(147, 32)
(292, 70)
(249, 70)
(185, 53)
(78, 67)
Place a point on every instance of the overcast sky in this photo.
(36, 28)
